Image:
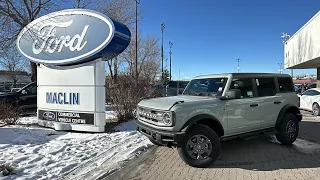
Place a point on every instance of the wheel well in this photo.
(213, 124)
(315, 103)
(295, 111)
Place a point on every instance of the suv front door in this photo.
(243, 114)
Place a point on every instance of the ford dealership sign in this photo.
(71, 37)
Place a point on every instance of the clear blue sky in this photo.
(209, 35)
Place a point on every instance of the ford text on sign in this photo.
(71, 37)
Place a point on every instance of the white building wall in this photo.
(302, 50)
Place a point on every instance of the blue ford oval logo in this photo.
(72, 36)
(49, 115)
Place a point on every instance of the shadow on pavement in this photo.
(265, 153)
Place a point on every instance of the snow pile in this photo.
(42, 153)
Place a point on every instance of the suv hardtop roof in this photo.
(244, 75)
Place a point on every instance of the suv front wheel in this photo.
(200, 147)
(288, 129)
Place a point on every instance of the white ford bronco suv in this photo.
(218, 107)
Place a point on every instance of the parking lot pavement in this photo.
(258, 158)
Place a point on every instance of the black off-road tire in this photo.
(212, 137)
(316, 109)
(285, 136)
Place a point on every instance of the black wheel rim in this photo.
(199, 147)
(291, 129)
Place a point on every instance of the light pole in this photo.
(285, 37)
(178, 85)
(280, 70)
(136, 61)
(170, 45)
(238, 60)
(162, 29)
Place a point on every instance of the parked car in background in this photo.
(311, 85)
(25, 98)
(297, 88)
(310, 100)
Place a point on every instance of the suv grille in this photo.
(150, 116)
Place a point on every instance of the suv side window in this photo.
(285, 84)
(245, 85)
(266, 86)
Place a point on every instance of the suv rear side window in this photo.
(266, 87)
(285, 84)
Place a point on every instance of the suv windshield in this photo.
(206, 87)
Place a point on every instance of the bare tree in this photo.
(120, 10)
(15, 15)
(14, 63)
(148, 57)
(80, 3)
(124, 12)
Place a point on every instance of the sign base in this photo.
(73, 99)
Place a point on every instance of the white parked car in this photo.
(310, 100)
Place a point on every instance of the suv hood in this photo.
(165, 103)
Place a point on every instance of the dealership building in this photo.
(302, 50)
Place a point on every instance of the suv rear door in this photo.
(270, 103)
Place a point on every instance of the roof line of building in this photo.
(313, 17)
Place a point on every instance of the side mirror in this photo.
(24, 92)
(233, 94)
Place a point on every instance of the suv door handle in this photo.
(254, 105)
(277, 102)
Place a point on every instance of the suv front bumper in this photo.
(163, 137)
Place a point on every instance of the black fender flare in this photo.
(285, 109)
(197, 118)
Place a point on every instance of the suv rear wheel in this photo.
(200, 147)
(288, 129)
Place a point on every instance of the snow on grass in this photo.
(42, 153)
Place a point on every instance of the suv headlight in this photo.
(168, 118)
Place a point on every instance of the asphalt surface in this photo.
(261, 157)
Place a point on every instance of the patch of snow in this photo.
(110, 114)
(42, 153)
